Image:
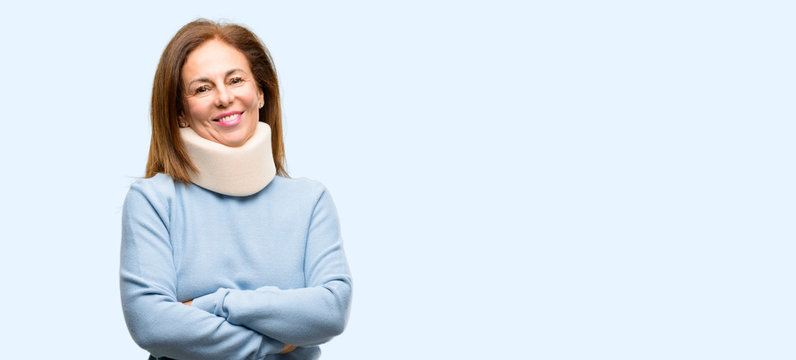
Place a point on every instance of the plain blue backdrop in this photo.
(515, 180)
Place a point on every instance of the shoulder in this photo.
(298, 186)
(159, 184)
(158, 191)
(299, 191)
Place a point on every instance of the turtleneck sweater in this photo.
(263, 270)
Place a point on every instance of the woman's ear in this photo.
(260, 98)
(181, 121)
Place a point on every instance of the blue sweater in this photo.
(263, 270)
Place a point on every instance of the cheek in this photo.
(251, 96)
(195, 108)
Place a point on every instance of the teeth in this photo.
(228, 118)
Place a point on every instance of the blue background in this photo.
(515, 180)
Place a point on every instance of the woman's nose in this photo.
(223, 96)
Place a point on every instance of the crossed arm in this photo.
(245, 324)
(288, 348)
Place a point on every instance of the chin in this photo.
(235, 141)
(238, 135)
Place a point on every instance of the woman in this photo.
(223, 256)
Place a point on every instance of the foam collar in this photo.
(235, 171)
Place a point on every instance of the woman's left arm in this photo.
(302, 317)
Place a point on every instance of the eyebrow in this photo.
(230, 72)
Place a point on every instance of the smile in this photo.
(229, 119)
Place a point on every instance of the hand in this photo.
(188, 302)
(288, 348)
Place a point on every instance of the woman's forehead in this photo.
(214, 58)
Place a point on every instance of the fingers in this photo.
(288, 348)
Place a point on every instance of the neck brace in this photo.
(235, 171)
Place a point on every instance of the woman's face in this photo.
(222, 98)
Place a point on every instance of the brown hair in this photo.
(166, 150)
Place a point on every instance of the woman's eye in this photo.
(236, 80)
(201, 89)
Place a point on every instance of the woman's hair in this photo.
(166, 150)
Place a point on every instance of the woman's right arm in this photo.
(157, 321)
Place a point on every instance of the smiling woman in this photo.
(223, 255)
(207, 71)
(221, 95)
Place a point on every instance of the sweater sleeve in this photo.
(157, 321)
(305, 316)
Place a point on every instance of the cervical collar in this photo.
(236, 171)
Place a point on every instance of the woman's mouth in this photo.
(229, 119)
